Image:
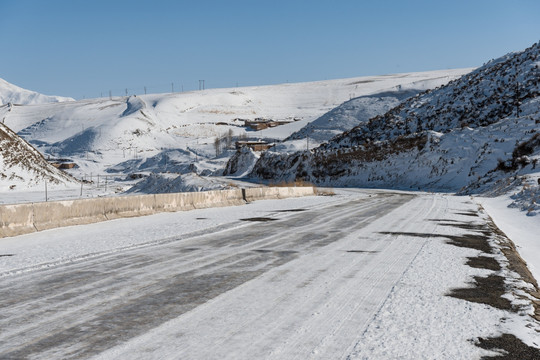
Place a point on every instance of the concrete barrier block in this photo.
(253, 194)
(204, 199)
(227, 197)
(128, 206)
(286, 192)
(48, 215)
(173, 202)
(16, 219)
(216, 198)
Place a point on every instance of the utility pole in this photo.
(145, 90)
(46, 198)
(110, 95)
(126, 92)
(201, 84)
(172, 88)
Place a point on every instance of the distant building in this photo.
(64, 165)
(254, 145)
(261, 123)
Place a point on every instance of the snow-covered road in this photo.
(313, 282)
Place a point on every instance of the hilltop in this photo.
(469, 135)
(12, 94)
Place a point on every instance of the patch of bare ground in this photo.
(483, 262)
(258, 219)
(468, 213)
(473, 241)
(486, 290)
(509, 347)
(362, 251)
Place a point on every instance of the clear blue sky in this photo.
(85, 48)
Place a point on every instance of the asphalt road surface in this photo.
(302, 284)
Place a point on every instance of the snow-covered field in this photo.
(360, 275)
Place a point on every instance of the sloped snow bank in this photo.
(524, 231)
(174, 161)
(173, 183)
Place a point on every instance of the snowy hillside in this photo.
(241, 163)
(450, 138)
(10, 93)
(23, 167)
(351, 114)
(172, 183)
(182, 132)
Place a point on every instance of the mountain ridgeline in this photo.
(448, 138)
(12, 94)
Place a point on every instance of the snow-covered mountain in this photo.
(468, 134)
(12, 94)
(22, 167)
(142, 133)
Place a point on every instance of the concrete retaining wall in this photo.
(26, 218)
